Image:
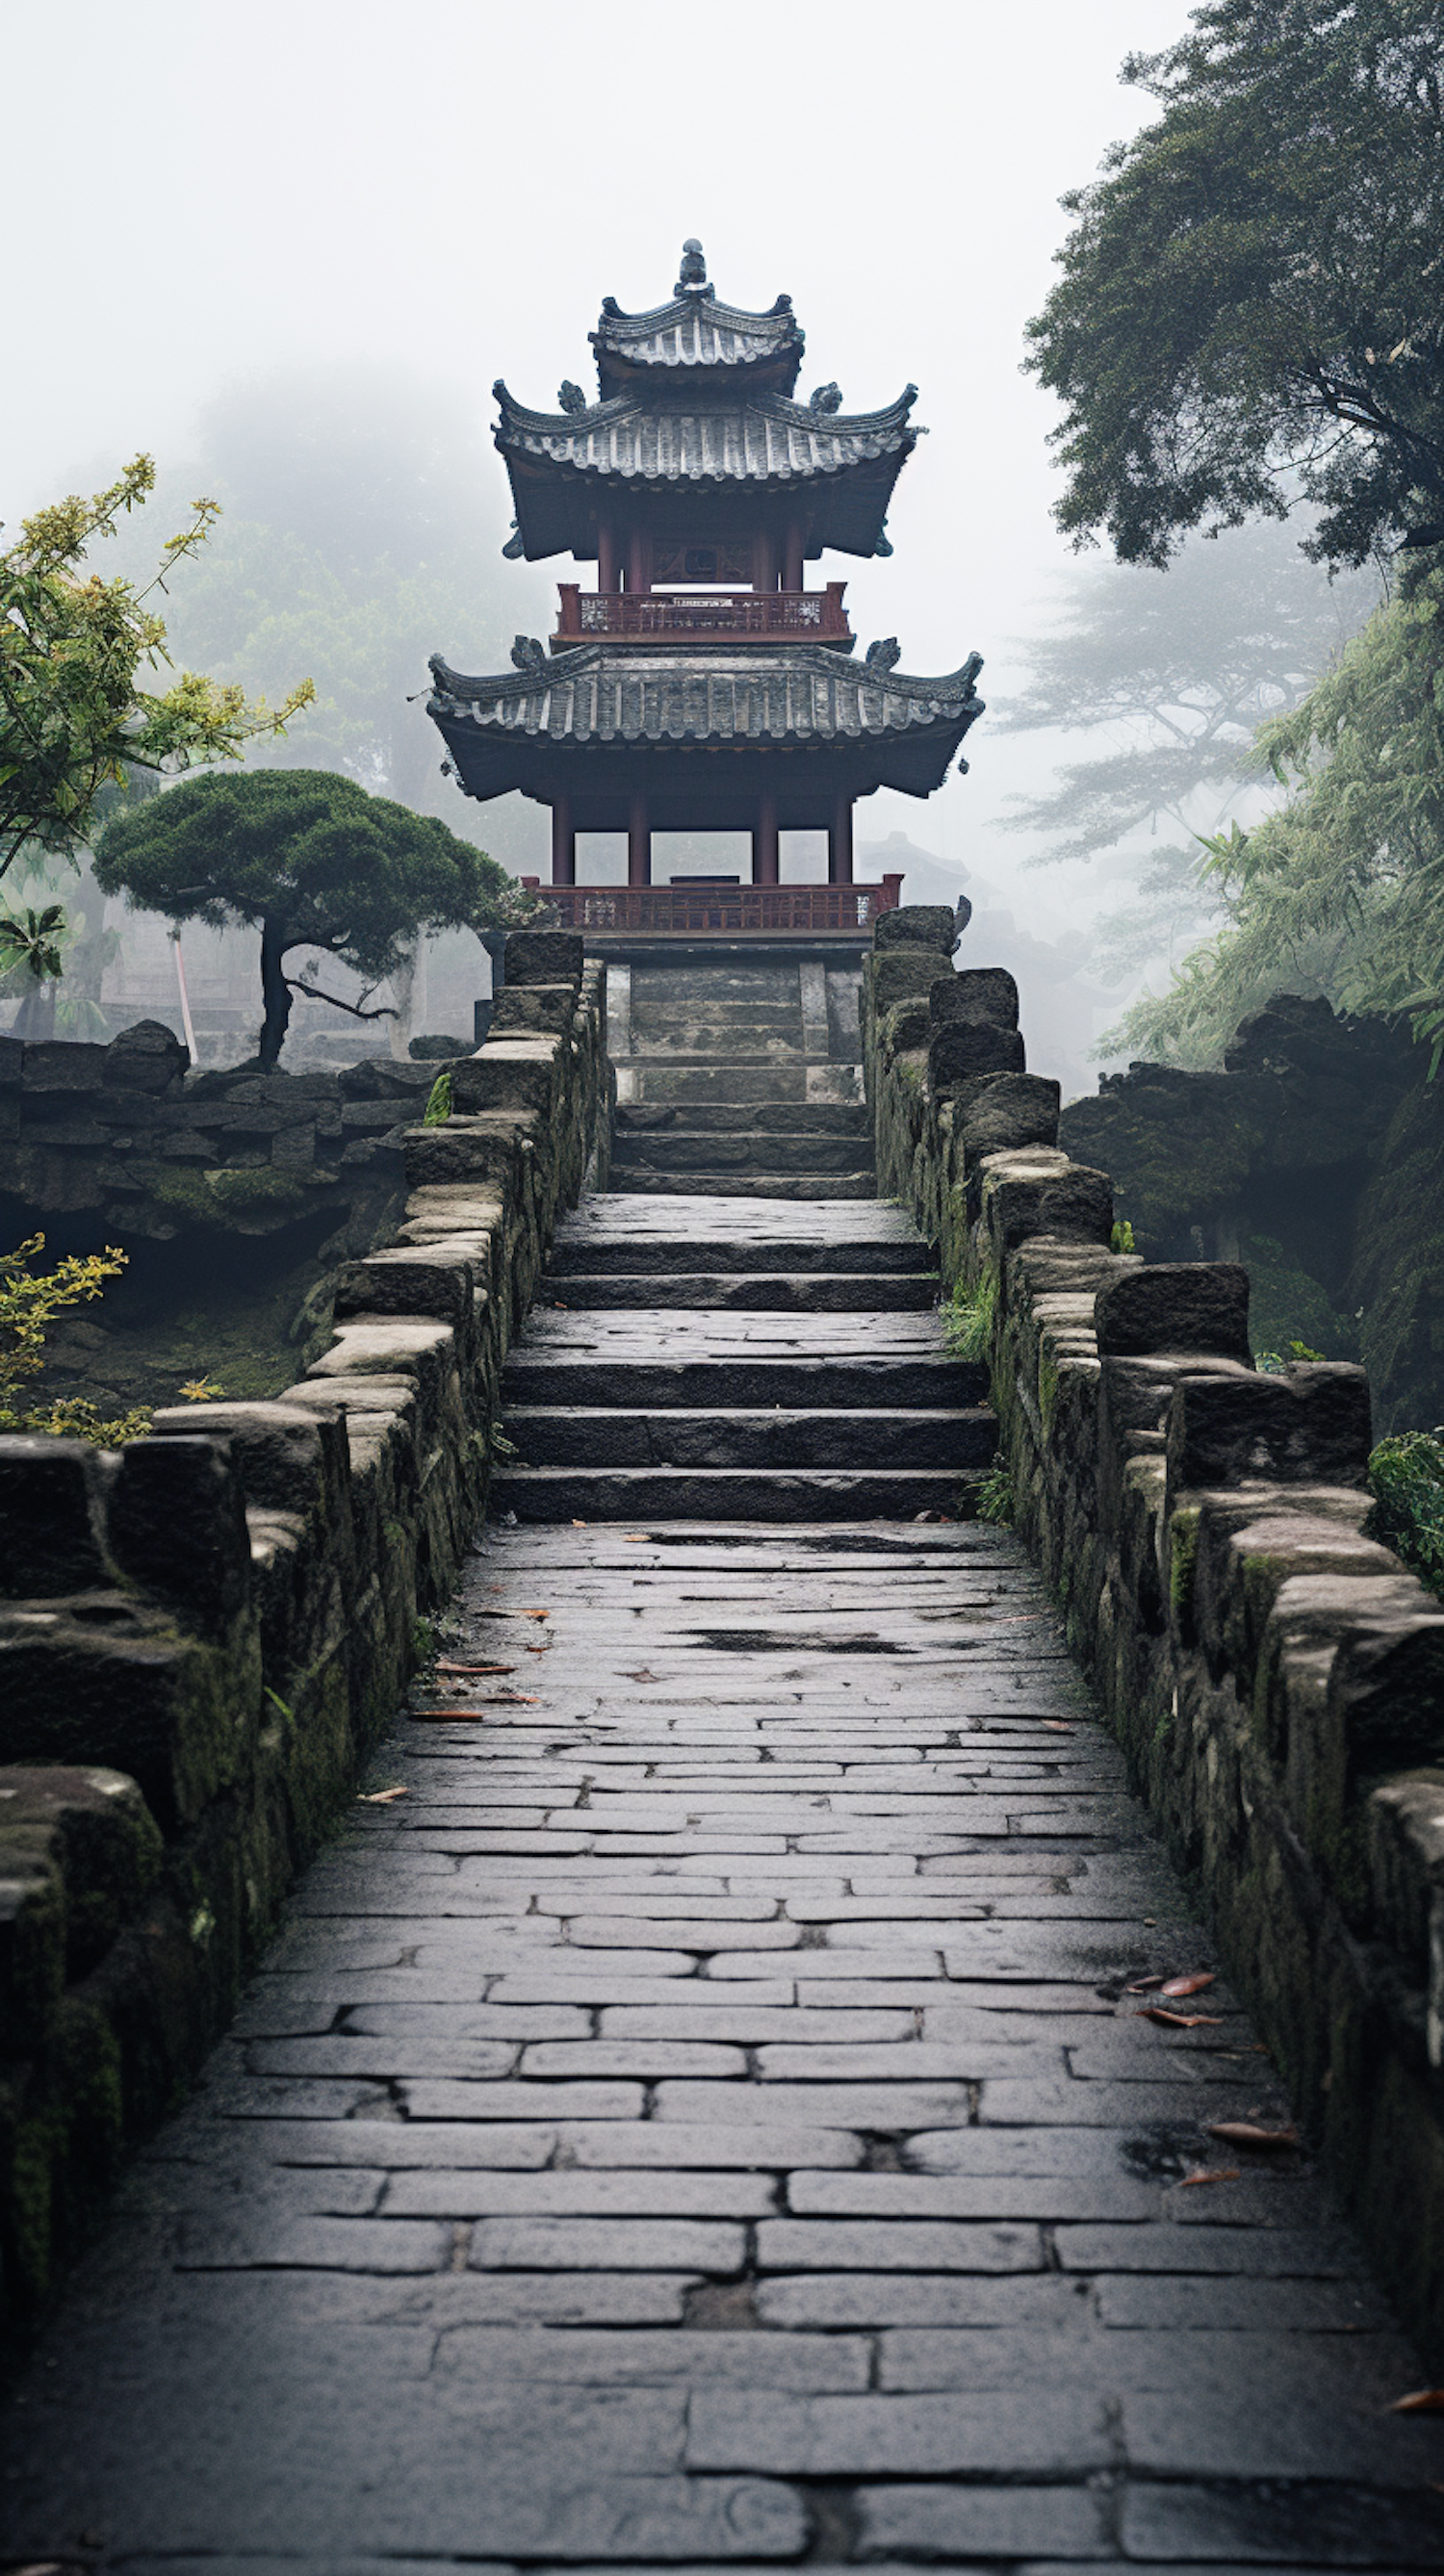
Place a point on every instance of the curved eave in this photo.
(696, 333)
(561, 464)
(514, 729)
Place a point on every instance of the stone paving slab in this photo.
(623, 2199)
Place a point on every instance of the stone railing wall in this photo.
(203, 1634)
(1275, 1677)
(125, 1130)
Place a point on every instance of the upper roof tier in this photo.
(718, 440)
(694, 331)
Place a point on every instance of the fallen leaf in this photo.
(1057, 1726)
(476, 1668)
(1178, 2021)
(427, 1713)
(1209, 2173)
(1423, 2401)
(381, 1797)
(533, 1614)
(1175, 1986)
(579, 1524)
(1242, 2133)
(1144, 1986)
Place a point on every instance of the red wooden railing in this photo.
(701, 617)
(652, 910)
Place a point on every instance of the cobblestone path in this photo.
(704, 2120)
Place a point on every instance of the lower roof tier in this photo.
(703, 736)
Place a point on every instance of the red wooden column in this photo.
(764, 842)
(638, 565)
(639, 840)
(608, 574)
(564, 841)
(839, 843)
(764, 561)
(792, 573)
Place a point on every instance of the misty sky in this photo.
(198, 193)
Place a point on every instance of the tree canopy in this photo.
(1250, 306)
(73, 714)
(316, 862)
(1341, 892)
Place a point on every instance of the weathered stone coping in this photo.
(1275, 1676)
(203, 1634)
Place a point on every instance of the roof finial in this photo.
(694, 268)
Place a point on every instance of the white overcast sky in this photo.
(197, 191)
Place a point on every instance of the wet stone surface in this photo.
(704, 2120)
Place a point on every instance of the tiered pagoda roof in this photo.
(697, 396)
(515, 728)
(695, 331)
(755, 441)
(701, 684)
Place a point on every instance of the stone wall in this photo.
(1316, 1157)
(203, 1634)
(1275, 1677)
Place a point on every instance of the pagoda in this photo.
(701, 686)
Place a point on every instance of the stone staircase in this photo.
(707, 1358)
(740, 1075)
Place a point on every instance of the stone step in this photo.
(711, 1043)
(755, 1185)
(666, 1012)
(905, 1384)
(684, 1149)
(749, 1291)
(710, 1079)
(740, 1436)
(764, 1117)
(590, 1248)
(633, 1494)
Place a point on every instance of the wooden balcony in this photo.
(701, 617)
(720, 911)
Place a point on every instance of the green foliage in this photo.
(967, 1320)
(438, 1102)
(1293, 1355)
(994, 1495)
(1121, 1238)
(1406, 1475)
(73, 715)
(32, 943)
(1341, 892)
(314, 861)
(1250, 300)
(30, 1300)
(1289, 1310)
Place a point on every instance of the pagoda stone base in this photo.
(739, 1073)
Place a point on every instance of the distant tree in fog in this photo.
(316, 864)
(1173, 672)
(356, 532)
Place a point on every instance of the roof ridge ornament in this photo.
(529, 654)
(826, 398)
(692, 276)
(570, 397)
(883, 656)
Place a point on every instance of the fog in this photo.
(382, 208)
